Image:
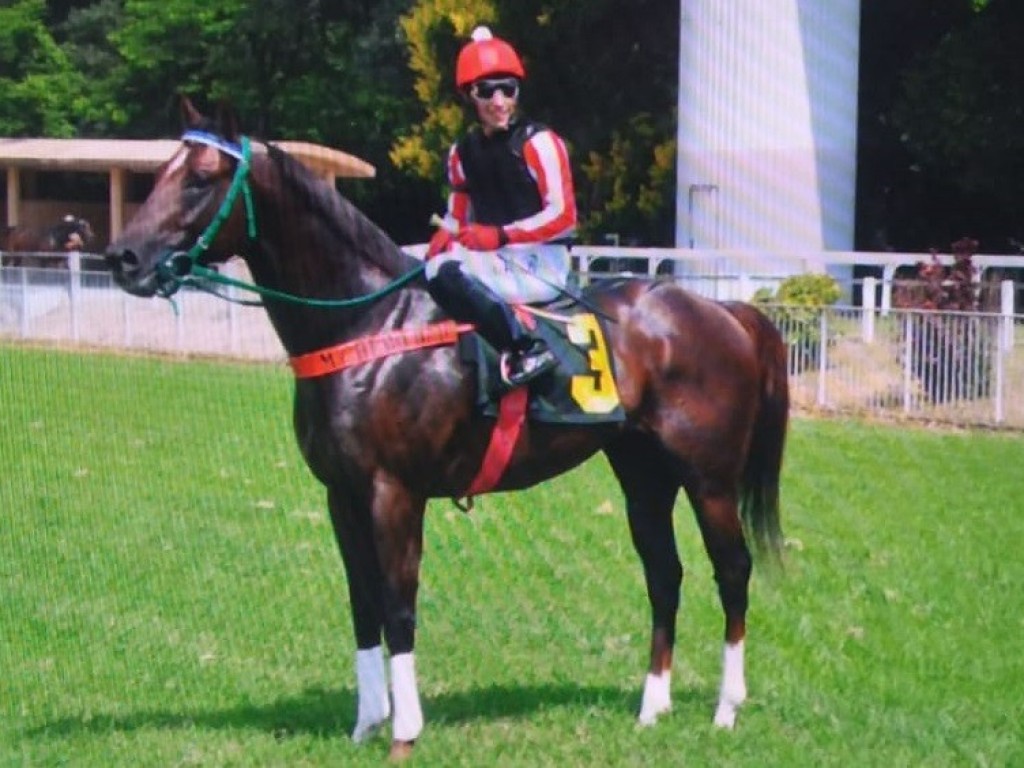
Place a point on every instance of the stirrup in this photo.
(519, 368)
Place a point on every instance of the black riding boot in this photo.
(468, 300)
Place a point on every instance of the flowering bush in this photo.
(950, 354)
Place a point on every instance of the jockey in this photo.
(511, 185)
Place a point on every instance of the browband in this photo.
(213, 140)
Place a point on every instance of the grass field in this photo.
(171, 596)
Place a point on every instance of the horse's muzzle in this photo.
(128, 272)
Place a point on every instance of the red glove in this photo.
(481, 237)
(440, 242)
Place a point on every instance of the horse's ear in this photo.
(227, 121)
(190, 116)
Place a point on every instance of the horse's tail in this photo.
(759, 493)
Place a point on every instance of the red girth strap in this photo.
(511, 415)
(341, 356)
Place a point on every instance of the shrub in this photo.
(797, 307)
(950, 354)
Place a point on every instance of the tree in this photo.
(960, 116)
(603, 73)
(435, 30)
(940, 105)
(39, 89)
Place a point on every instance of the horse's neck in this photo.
(334, 255)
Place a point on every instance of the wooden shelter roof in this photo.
(146, 156)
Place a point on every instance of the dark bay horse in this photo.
(703, 384)
(71, 233)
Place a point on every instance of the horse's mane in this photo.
(343, 219)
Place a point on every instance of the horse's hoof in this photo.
(725, 716)
(400, 750)
(365, 731)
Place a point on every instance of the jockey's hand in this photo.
(481, 237)
(440, 242)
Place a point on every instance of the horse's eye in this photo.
(197, 180)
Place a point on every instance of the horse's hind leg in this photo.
(650, 488)
(720, 526)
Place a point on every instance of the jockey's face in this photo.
(495, 99)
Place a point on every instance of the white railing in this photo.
(950, 367)
(870, 359)
(87, 309)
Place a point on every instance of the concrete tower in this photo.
(767, 124)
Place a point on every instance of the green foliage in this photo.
(40, 91)
(435, 31)
(797, 308)
(808, 290)
(631, 188)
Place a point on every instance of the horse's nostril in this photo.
(122, 260)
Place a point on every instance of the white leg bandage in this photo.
(734, 686)
(408, 720)
(657, 697)
(372, 686)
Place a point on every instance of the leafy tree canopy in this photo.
(40, 91)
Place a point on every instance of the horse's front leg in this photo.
(398, 533)
(353, 530)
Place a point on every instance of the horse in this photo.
(703, 386)
(71, 233)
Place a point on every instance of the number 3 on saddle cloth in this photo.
(580, 390)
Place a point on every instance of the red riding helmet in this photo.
(486, 55)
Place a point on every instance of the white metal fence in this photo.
(964, 369)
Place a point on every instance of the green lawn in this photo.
(172, 596)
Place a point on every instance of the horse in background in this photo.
(703, 386)
(71, 233)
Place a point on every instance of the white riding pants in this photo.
(523, 274)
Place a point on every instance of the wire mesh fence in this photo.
(955, 368)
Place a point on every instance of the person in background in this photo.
(511, 185)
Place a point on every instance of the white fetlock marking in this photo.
(374, 707)
(408, 720)
(657, 698)
(734, 686)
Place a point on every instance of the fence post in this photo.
(23, 325)
(1006, 311)
(867, 305)
(822, 357)
(126, 320)
(179, 323)
(746, 291)
(1001, 357)
(908, 355)
(888, 274)
(75, 291)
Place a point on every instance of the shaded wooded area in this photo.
(941, 145)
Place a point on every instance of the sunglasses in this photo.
(483, 90)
